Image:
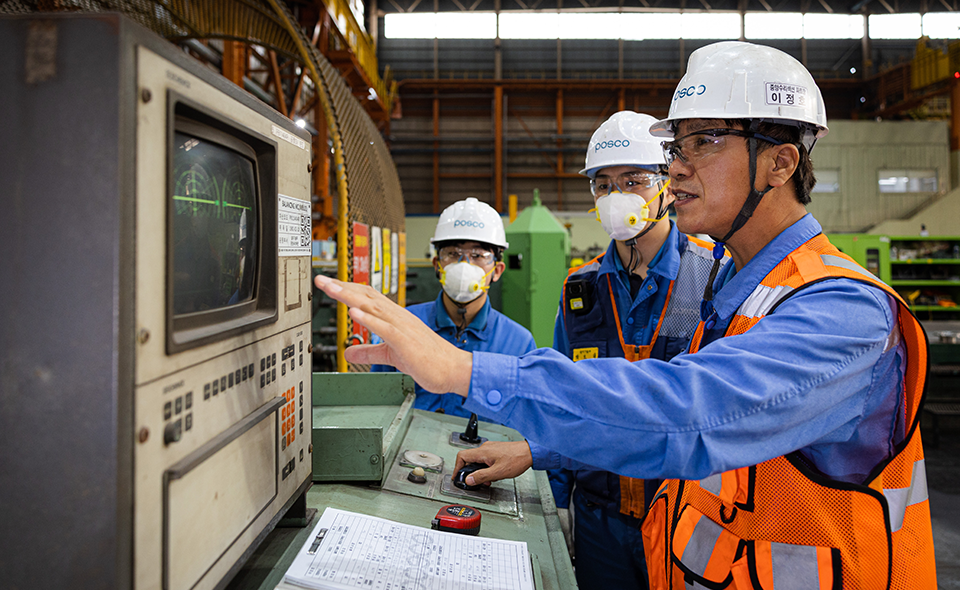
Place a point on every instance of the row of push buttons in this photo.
(173, 431)
(227, 381)
(288, 417)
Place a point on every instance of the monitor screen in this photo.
(214, 225)
(222, 227)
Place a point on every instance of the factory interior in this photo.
(178, 406)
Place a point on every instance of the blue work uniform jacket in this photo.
(819, 376)
(490, 331)
(599, 318)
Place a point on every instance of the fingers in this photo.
(368, 354)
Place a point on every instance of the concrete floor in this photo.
(943, 482)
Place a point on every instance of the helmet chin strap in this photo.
(746, 211)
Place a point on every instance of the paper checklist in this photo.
(346, 550)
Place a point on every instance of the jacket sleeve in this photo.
(809, 374)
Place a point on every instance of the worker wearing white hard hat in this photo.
(789, 434)
(469, 241)
(639, 299)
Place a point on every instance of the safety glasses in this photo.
(694, 146)
(475, 256)
(628, 182)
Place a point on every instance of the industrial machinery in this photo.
(156, 331)
(375, 454)
(537, 263)
(158, 404)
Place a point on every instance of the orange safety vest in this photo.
(697, 252)
(780, 526)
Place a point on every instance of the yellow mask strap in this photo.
(661, 218)
(665, 212)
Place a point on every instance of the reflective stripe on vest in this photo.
(898, 499)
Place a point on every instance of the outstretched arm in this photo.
(408, 344)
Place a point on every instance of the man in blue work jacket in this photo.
(640, 299)
(790, 433)
(469, 241)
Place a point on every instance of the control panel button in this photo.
(206, 391)
(167, 410)
(172, 432)
(188, 400)
(188, 421)
(178, 405)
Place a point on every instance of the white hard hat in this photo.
(623, 140)
(470, 220)
(737, 80)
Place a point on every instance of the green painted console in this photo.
(366, 439)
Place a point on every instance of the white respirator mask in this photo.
(463, 282)
(624, 215)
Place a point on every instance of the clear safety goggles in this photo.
(628, 182)
(475, 256)
(692, 147)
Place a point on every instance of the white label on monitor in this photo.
(289, 137)
(294, 235)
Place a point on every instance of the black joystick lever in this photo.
(470, 435)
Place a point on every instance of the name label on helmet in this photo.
(616, 143)
(689, 91)
(467, 223)
(786, 95)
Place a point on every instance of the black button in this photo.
(230, 380)
(301, 413)
(167, 410)
(263, 363)
(273, 374)
(216, 387)
(223, 383)
(178, 405)
(250, 370)
(283, 369)
(188, 401)
(283, 443)
(261, 379)
(293, 364)
(172, 432)
(301, 360)
(206, 391)
(188, 421)
(301, 454)
(244, 372)
(273, 360)
(301, 346)
(301, 428)
(301, 387)
(301, 400)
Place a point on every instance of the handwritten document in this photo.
(348, 550)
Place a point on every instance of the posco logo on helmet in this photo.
(689, 91)
(468, 223)
(616, 143)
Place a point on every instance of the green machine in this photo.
(537, 263)
(368, 439)
(870, 251)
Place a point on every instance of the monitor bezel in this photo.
(187, 331)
